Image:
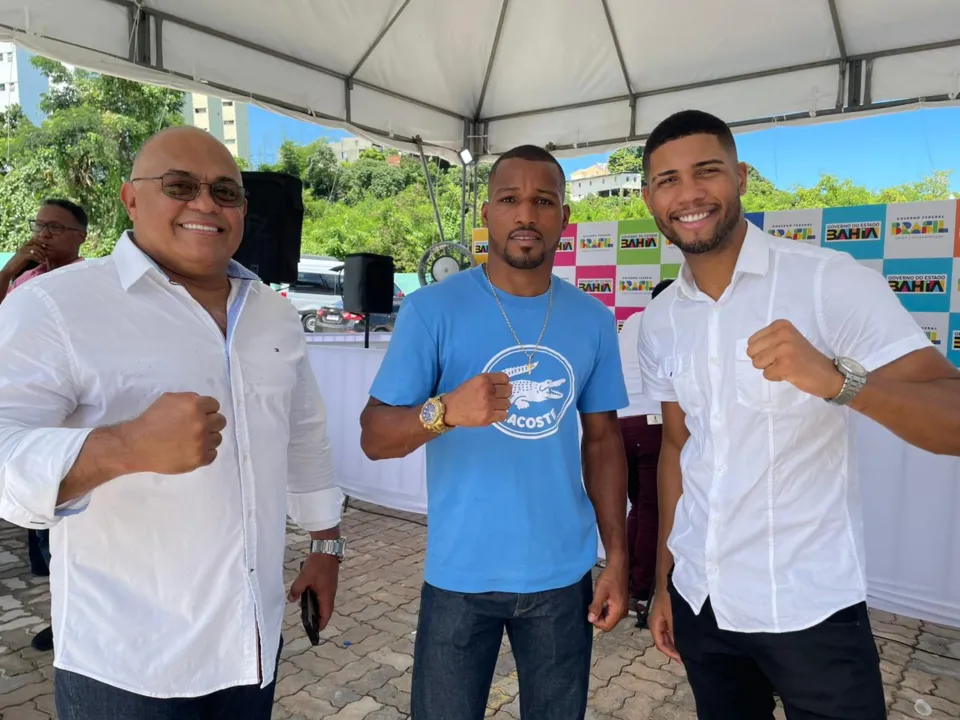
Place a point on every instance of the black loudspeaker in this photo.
(273, 226)
(368, 283)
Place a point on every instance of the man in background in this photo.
(59, 230)
(640, 425)
(157, 410)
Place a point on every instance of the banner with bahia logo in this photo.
(915, 246)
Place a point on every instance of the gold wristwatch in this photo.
(431, 415)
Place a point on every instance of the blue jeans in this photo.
(81, 698)
(458, 642)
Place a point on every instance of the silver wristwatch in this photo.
(329, 547)
(854, 378)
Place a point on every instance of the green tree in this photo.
(321, 169)
(626, 160)
(83, 150)
(291, 159)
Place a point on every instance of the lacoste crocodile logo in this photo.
(530, 391)
(537, 404)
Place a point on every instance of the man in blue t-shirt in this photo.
(492, 367)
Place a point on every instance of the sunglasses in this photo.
(225, 193)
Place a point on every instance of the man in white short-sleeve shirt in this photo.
(756, 353)
(642, 438)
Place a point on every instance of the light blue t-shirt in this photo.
(507, 510)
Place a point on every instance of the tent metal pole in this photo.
(433, 198)
(475, 193)
(463, 204)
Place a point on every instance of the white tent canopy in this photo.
(573, 75)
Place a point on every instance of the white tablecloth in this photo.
(911, 499)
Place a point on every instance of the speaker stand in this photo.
(366, 331)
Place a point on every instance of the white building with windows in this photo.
(224, 119)
(348, 149)
(630, 183)
(20, 82)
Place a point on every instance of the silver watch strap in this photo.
(852, 385)
(328, 547)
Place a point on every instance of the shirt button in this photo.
(715, 519)
(722, 469)
(713, 569)
(713, 361)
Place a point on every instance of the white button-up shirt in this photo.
(769, 523)
(640, 404)
(162, 585)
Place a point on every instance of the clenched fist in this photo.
(785, 355)
(480, 401)
(179, 433)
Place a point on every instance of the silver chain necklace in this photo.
(546, 321)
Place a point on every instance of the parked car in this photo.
(336, 319)
(319, 284)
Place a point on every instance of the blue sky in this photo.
(877, 151)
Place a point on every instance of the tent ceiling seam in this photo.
(623, 67)
(196, 27)
(732, 79)
(380, 36)
(837, 28)
(490, 60)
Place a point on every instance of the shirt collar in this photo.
(754, 259)
(133, 263)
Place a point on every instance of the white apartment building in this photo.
(20, 82)
(348, 149)
(224, 119)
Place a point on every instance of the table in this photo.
(911, 498)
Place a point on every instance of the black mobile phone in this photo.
(310, 615)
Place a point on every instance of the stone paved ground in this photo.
(362, 669)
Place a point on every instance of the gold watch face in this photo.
(431, 415)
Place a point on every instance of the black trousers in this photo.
(828, 672)
(38, 547)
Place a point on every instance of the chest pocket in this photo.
(270, 375)
(679, 371)
(759, 394)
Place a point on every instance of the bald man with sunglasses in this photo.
(161, 418)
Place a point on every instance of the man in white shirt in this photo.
(642, 436)
(757, 353)
(157, 411)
